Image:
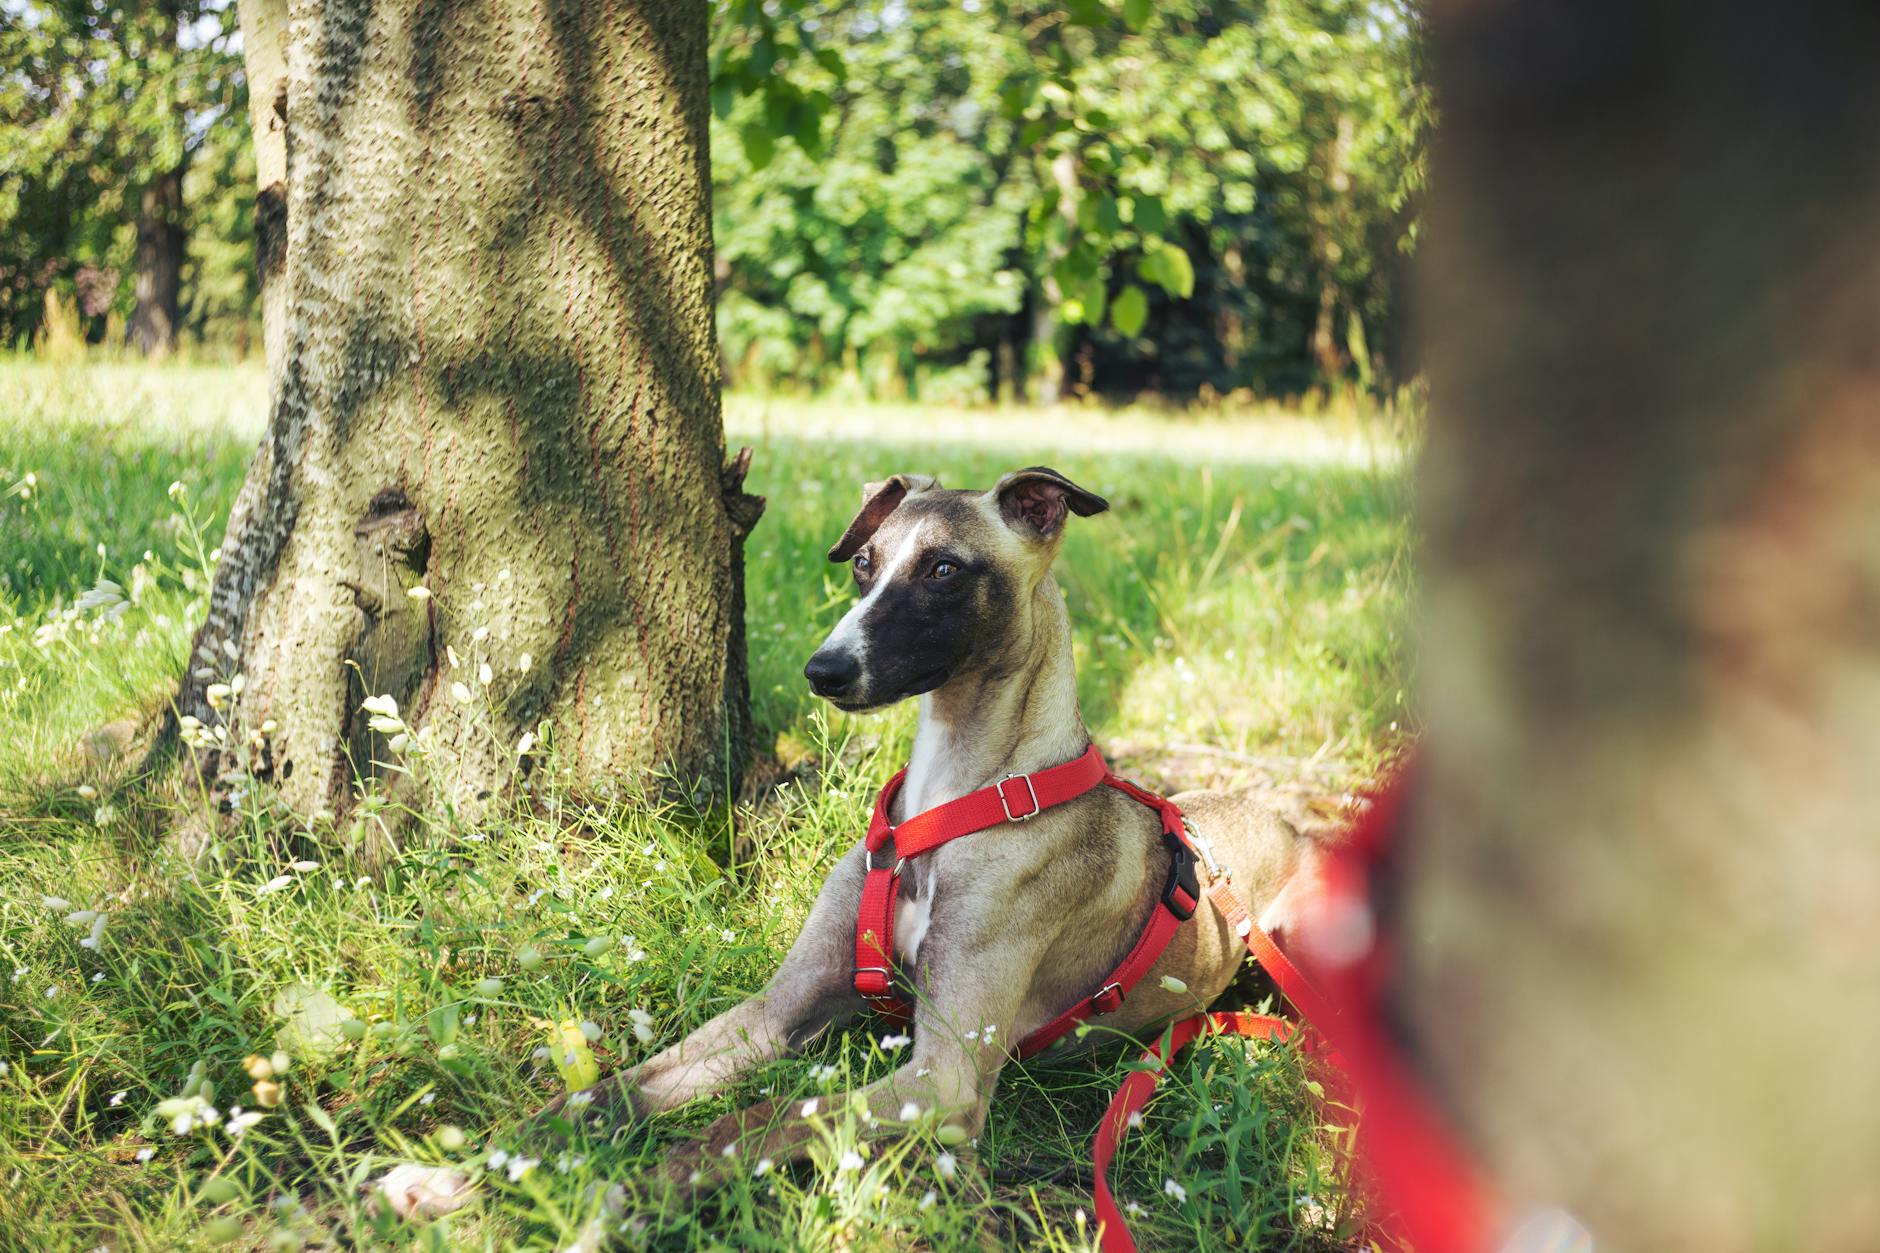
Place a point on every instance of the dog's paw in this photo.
(414, 1191)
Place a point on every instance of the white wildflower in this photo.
(896, 1041)
(97, 934)
(810, 1107)
(764, 1167)
(927, 1201)
(117, 1098)
(52, 991)
(275, 884)
(1175, 1190)
(851, 1160)
(642, 1025)
(823, 1073)
(420, 592)
(239, 1122)
(910, 1111)
(480, 634)
(485, 675)
(520, 1166)
(946, 1165)
(460, 693)
(144, 1155)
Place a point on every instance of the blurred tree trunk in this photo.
(493, 484)
(158, 281)
(1328, 217)
(1046, 367)
(1640, 902)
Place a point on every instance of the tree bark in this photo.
(1639, 905)
(1328, 219)
(494, 379)
(158, 282)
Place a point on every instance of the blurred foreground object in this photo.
(1641, 890)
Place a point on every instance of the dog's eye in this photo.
(861, 563)
(943, 570)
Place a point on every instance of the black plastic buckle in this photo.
(1182, 879)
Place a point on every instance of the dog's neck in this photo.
(1016, 714)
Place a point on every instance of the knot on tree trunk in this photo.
(741, 507)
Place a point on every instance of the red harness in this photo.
(1015, 798)
(1439, 1202)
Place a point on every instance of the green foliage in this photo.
(1240, 163)
(96, 101)
(910, 198)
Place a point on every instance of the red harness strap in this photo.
(1436, 1199)
(1015, 798)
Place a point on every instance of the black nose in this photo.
(832, 673)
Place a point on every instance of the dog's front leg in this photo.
(809, 991)
(973, 984)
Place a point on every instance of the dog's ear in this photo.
(1036, 500)
(878, 501)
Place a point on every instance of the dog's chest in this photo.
(913, 913)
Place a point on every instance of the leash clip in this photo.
(1215, 869)
(1006, 801)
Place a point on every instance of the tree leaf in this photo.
(1130, 311)
(759, 144)
(724, 96)
(1148, 215)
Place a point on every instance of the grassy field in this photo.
(1238, 621)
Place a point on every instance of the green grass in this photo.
(1237, 620)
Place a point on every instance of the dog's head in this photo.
(941, 575)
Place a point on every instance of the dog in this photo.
(997, 933)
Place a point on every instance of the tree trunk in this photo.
(494, 381)
(158, 282)
(1046, 367)
(1328, 219)
(1640, 905)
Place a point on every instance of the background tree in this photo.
(492, 487)
(104, 111)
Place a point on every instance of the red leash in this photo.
(1438, 1201)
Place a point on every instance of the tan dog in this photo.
(997, 932)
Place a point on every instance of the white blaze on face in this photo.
(848, 636)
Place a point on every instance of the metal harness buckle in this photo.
(1006, 801)
(868, 861)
